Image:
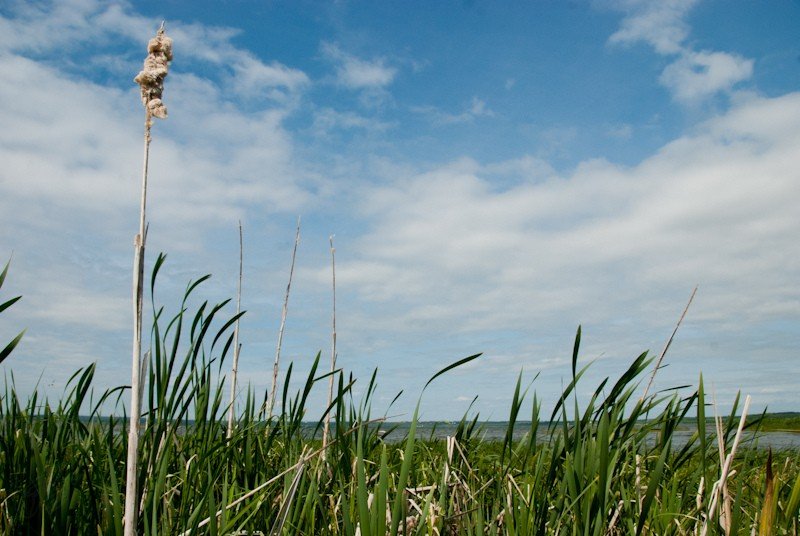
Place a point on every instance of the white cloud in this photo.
(254, 78)
(328, 119)
(658, 23)
(477, 108)
(355, 73)
(87, 26)
(696, 75)
(622, 132)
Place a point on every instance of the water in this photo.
(496, 431)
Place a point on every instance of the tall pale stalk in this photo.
(151, 81)
(236, 346)
(667, 345)
(276, 365)
(326, 430)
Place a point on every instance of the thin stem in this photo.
(131, 482)
(668, 344)
(283, 324)
(326, 430)
(236, 346)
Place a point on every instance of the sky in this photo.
(493, 175)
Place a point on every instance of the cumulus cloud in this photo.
(693, 75)
(356, 73)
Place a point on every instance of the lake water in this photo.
(496, 431)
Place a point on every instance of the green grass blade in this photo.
(10, 346)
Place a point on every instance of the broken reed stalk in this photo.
(724, 516)
(151, 81)
(236, 346)
(725, 472)
(668, 344)
(326, 430)
(276, 365)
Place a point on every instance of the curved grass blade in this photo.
(451, 367)
(10, 346)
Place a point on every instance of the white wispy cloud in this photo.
(658, 23)
(693, 75)
(622, 132)
(355, 73)
(696, 75)
(254, 78)
(87, 26)
(477, 108)
(328, 119)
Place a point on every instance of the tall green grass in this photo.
(607, 465)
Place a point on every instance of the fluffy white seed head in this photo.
(156, 68)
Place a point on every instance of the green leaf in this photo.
(4, 272)
(10, 346)
(652, 486)
(9, 303)
(575, 349)
(451, 367)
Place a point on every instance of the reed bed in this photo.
(608, 464)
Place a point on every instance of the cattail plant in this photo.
(151, 82)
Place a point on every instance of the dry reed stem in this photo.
(326, 430)
(303, 460)
(725, 512)
(236, 346)
(614, 518)
(151, 81)
(668, 344)
(725, 472)
(284, 312)
(283, 513)
(450, 448)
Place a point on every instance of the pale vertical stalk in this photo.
(668, 344)
(326, 430)
(283, 325)
(131, 480)
(726, 471)
(151, 82)
(236, 346)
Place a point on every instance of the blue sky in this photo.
(494, 175)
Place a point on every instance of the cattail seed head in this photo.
(151, 78)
